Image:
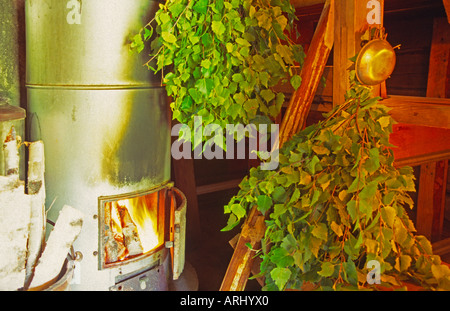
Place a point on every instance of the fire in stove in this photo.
(131, 227)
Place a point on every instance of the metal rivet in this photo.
(169, 244)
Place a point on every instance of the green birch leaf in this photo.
(232, 222)
(351, 274)
(327, 269)
(369, 190)
(278, 209)
(238, 210)
(168, 37)
(320, 231)
(264, 78)
(384, 121)
(305, 178)
(440, 271)
(218, 27)
(321, 150)
(388, 213)
(205, 86)
(267, 94)
(176, 9)
(337, 229)
(242, 42)
(201, 6)
(282, 21)
(264, 203)
(237, 77)
(281, 257)
(280, 276)
(402, 263)
(148, 32)
(279, 194)
(351, 208)
(312, 164)
(400, 232)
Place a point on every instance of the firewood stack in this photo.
(123, 241)
(26, 260)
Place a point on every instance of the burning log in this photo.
(36, 188)
(129, 231)
(66, 230)
(114, 249)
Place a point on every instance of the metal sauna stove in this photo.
(105, 123)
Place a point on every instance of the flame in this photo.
(144, 213)
(146, 217)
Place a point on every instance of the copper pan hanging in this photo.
(376, 61)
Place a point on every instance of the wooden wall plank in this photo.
(431, 199)
(439, 59)
(439, 192)
(424, 222)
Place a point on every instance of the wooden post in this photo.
(439, 59)
(349, 25)
(433, 175)
(184, 177)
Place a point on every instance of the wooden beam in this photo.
(441, 247)
(310, 7)
(305, 3)
(424, 111)
(225, 185)
(240, 266)
(416, 145)
(447, 9)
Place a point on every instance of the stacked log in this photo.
(25, 257)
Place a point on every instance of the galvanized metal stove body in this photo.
(105, 123)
